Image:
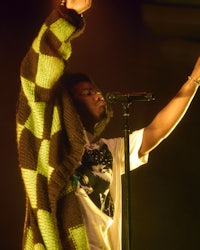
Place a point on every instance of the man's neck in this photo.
(90, 137)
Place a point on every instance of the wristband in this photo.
(197, 82)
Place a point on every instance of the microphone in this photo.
(115, 97)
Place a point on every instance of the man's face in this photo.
(89, 101)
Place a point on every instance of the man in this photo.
(72, 180)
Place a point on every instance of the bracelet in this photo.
(63, 2)
(197, 82)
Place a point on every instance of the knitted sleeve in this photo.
(39, 126)
(44, 63)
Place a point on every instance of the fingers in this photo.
(78, 5)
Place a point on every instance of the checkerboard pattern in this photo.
(50, 139)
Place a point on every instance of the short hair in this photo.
(69, 80)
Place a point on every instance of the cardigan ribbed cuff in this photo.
(72, 17)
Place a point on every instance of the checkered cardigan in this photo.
(50, 139)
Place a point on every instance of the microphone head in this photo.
(112, 97)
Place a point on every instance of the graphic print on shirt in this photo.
(95, 175)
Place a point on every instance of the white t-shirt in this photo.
(104, 232)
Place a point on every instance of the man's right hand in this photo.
(78, 5)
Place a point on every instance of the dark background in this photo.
(127, 46)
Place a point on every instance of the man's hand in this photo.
(78, 5)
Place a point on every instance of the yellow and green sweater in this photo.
(50, 139)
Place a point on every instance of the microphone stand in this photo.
(126, 190)
(126, 100)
